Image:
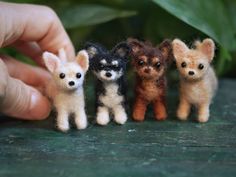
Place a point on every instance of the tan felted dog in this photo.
(198, 81)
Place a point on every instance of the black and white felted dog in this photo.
(109, 68)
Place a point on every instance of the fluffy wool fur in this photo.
(150, 64)
(109, 68)
(68, 78)
(198, 82)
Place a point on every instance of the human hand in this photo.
(31, 29)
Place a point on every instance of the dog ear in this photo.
(93, 49)
(166, 49)
(122, 50)
(82, 59)
(135, 45)
(179, 49)
(197, 44)
(207, 47)
(52, 62)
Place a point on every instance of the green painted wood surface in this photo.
(169, 148)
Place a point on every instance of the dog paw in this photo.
(182, 115)
(202, 119)
(82, 124)
(182, 118)
(103, 120)
(138, 117)
(63, 128)
(121, 120)
(120, 116)
(161, 118)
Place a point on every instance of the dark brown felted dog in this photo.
(150, 64)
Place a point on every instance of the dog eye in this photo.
(158, 64)
(183, 65)
(101, 66)
(200, 66)
(116, 66)
(62, 75)
(140, 62)
(78, 75)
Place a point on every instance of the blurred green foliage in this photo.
(110, 21)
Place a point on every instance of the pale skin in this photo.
(31, 29)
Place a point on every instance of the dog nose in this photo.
(147, 70)
(108, 74)
(190, 73)
(71, 83)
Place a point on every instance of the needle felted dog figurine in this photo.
(150, 64)
(198, 82)
(109, 68)
(68, 78)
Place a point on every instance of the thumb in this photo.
(23, 101)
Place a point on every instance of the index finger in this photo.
(25, 22)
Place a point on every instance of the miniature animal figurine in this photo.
(68, 76)
(198, 81)
(109, 68)
(150, 64)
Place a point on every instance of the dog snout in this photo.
(147, 70)
(191, 73)
(71, 83)
(108, 74)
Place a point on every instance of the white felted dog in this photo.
(68, 78)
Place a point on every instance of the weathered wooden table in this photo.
(151, 148)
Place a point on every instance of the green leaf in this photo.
(208, 16)
(164, 25)
(86, 15)
(231, 6)
(224, 62)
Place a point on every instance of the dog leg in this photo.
(183, 109)
(81, 119)
(120, 115)
(203, 113)
(160, 110)
(62, 120)
(102, 115)
(139, 109)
